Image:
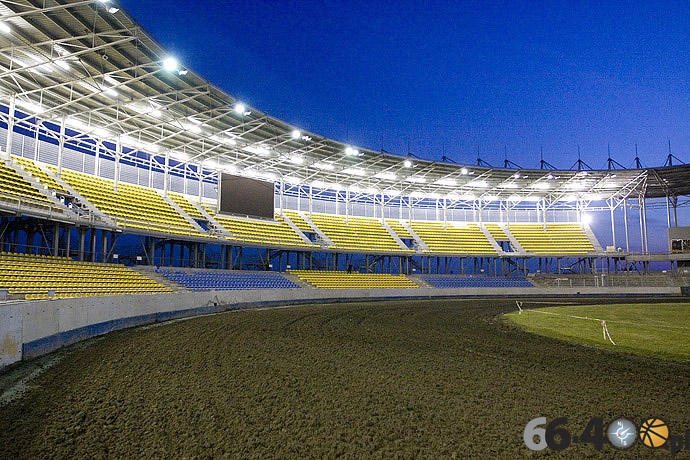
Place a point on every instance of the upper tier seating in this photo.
(552, 238)
(344, 280)
(33, 169)
(453, 238)
(133, 206)
(299, 221)
(399, 229)
(464, 281)
(33, 276)
(497, 232)
(260, 232)
(186, 206)
(356, 233)
(15, 189)
(224, 280)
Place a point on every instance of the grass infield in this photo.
(660, 330)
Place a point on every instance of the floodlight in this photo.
(586, 219)
(170, 64)
(407, 164)
(113, 10)
(352, 152)
(464, 171)
(182, 72)
(296, 134)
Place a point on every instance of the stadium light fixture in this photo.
(464, 171)
(170, 64)
(407, 164)
(352, 152)
(242, 109)
(113, 10)
(296, 134)
(586, 219)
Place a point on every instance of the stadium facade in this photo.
(114, 152)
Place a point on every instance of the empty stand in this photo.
(356, 233)
(452, 238)
(15, 190)
(552, 238)
(226, 280)
(34, 276)
(458, 282)
(259, 232)
(132, 206)
(344, 280)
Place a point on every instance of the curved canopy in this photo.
(89, 65)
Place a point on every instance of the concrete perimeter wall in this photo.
(29, 329)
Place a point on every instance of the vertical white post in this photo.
(61, 145)
(10, 128)
(118, 154)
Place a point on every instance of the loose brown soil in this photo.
(432, 379)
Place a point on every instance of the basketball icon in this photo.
(653, 432)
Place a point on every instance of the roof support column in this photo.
(347, 207)
(625, 222)
(311, 192)
(97, 160)
(118, 155)
(166, 174)
(10, 129)
(36, 142)
(281, 196)
(61, 145)
(613, 224)
(200, 175)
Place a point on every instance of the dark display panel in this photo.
(246, 197)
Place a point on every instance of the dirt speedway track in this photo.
(426, 379)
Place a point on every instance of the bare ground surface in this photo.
(428, 379)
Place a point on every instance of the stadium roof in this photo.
(88, 64)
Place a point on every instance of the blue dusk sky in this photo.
(466, 79)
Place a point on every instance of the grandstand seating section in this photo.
(356, 233)
(225, 280)
(133, 206)
(552, 239)
(33, 169)
(399, 229)
(299, 221)
(497, 232)
(460, 281)
(142, 208)
(344, 280)
(15, 188)
(33, 276)
(261, 232)
(186, 206)
(452, 238)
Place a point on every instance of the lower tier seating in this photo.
(345, 280)
(226, 280)
(35, 276)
